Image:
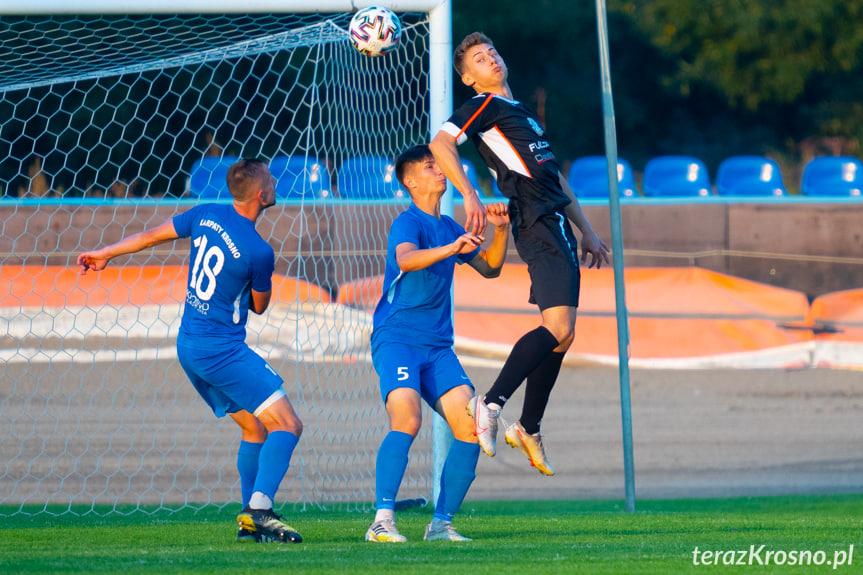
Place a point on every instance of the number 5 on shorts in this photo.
(403, 373)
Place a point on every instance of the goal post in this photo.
(106, 133)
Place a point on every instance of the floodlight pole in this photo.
(617, 252)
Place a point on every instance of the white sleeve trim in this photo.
(455, 132)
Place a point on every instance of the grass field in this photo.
(509, 538)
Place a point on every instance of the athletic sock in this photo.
(526, 355)
(538, 390)
(385, 515)
(260, 501)
(390, 467)
(273, 461)
(247, 465)
(459, 471)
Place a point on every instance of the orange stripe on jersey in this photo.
(475, 114)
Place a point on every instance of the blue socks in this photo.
(273, 461)
(390, 467)
(459, 471)
(247, 465)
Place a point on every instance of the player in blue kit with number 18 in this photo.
(412, 342)
(230, 272)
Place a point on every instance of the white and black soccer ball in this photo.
(375, 31)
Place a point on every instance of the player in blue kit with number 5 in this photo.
(412, 341)
(230, 272)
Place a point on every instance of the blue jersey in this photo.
(416, 307)
(229, 259)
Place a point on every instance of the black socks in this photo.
(539, 384)
(527, 354)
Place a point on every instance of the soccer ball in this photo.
(375, 31)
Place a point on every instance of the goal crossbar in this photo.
(210, 6)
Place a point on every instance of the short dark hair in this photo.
(471, 40)
(246, 177)
(413, 155)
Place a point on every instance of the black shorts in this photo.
(550, 250)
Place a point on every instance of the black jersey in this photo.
(513, 145)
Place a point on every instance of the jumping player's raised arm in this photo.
(445, 150)
(489, 262)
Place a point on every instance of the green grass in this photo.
(510, 538)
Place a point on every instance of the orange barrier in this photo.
(841, 311)
(362, 293)
(674, 312)
(289, 290)
(60, 286)
(838, 320)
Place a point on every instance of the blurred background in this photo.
(703, 78)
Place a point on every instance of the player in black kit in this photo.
(513, 144)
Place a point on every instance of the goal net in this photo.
(113, 124)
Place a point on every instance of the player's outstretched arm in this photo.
(445, 151)
(410, 258)
(98, 259)
(590, 242)
(489, 262)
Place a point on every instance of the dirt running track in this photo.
(696, 434)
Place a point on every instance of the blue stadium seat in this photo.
(588, 178)
(369, 178)
(832, 176)
(749, 176)
(207, 177)
(300, 176)
(675, 177)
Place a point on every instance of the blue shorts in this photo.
(430, 371)
(229, 378)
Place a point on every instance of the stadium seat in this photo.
(588, 178)
(832, 176)
(675, 177)
(749, 176)
(300, 176)
(369, 178)
(207, 177)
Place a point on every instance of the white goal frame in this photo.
(440, 26)
(440, 75)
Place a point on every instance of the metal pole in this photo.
(440, 109)
(617, 251)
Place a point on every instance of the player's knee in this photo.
(566, 342)
(297, 426)
(563, 333)
(406, 423)
(464, 430)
